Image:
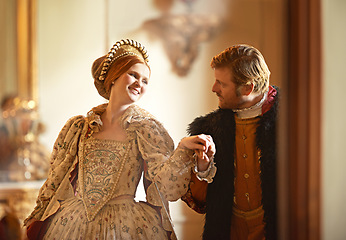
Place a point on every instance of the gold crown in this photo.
(122, 48)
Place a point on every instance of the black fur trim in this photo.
(220, 124)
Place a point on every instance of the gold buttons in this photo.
(246, 175)
(247, 195)
(244, 137)
(244, 155)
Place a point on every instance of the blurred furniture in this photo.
(17, 200)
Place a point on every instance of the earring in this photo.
(113, 83)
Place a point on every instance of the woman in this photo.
(98, 160)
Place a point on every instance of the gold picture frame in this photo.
(26, 45)
(18, 62)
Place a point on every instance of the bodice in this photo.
(107, 169)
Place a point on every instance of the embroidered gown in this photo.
(100, 203)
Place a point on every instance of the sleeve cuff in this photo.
(207, 175)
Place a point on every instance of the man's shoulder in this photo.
(209, 122)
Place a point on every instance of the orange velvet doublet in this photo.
(247, 218)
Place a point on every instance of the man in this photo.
(240, 201)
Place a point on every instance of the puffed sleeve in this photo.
(63, 155)
(168, 169)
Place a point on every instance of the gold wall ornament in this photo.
(18, 59)
(26, 48)
(182, 35)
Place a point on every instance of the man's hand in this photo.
(204, 148)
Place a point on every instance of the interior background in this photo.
(72, 34)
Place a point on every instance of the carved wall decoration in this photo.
(182, 34)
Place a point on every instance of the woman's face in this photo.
(131, 85)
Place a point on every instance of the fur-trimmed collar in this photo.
(220, 124)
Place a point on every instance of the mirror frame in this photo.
(27, 48)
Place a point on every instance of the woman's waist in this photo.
(122, 198)
(116, 198)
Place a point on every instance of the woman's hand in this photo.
(203, 146)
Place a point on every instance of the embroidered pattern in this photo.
(100, 169)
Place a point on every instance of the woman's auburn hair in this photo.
(117, 68)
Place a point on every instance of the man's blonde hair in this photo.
(247, 66)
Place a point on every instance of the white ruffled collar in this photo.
(131, 115)
(253, 111)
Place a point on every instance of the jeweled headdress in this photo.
(120, 49)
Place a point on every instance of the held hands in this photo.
(204, 148)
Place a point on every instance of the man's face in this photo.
(226, 89)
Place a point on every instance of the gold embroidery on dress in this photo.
(100, 168)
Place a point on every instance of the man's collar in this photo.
(253, 111)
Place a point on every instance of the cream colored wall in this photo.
(71, 34)
(334, 114)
